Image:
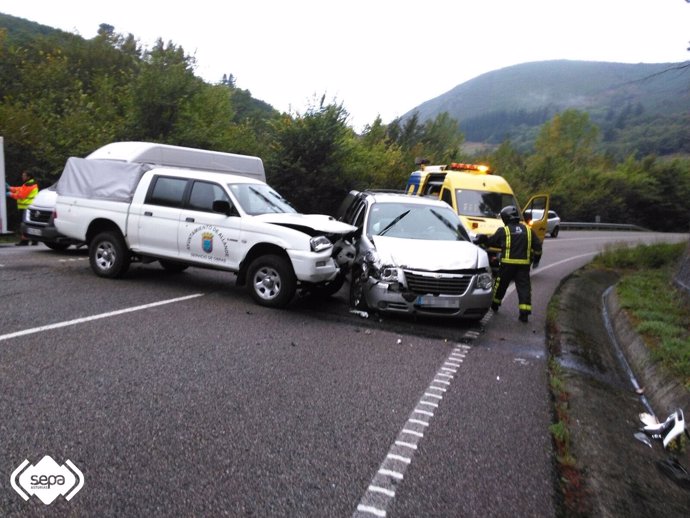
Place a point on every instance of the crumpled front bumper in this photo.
(395, 298)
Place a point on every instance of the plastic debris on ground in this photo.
(672, 428)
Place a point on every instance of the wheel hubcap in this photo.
(267, 283)
(105, 256)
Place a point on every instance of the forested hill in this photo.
(624, 100)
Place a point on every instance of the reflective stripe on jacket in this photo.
(518, 244)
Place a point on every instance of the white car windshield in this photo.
(256, 198)
(413, 221)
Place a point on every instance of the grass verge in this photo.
(659, 310)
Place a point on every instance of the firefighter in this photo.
(520, 249)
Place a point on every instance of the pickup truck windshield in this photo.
(255, 199)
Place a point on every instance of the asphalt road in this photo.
(175, 395)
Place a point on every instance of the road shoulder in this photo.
(616, 474)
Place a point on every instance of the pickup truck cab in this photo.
(225, 219)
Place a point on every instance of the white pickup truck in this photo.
(137, 201)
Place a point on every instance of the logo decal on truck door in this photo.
(200, 244)
(207, 242)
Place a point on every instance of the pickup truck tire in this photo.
(108, 255)
(554, 232)
(357, 300)
(271, 281)
(173, 266)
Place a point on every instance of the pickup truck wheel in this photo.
(554, 232)
(357, 300)
(173, 266)
(108, 255)
(272, 282)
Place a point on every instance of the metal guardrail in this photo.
(590, 225)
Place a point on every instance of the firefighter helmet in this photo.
(509, 213)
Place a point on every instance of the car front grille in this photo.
(437, 283)
(39, 216)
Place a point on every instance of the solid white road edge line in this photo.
(76, 321)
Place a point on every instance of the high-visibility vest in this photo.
(24, 194)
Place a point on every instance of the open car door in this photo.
(538, 205)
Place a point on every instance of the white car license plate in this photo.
(437, 302)
(34, 231)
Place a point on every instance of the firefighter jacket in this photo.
(518, 244)
(24, 194)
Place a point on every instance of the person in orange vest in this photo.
(520, 249)
(24, 194)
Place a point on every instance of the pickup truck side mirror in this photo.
(224, 207)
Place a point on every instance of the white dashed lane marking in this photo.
(381, 491)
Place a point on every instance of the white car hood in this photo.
(317, 222)
(45, 199)
(427, 254)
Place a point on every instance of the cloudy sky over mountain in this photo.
(378, 57)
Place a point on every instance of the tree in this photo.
(565, 147)
(162, 92)
(308, 158)
(438, 139)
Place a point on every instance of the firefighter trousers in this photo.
(518, 273)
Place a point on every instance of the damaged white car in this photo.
(413, 256)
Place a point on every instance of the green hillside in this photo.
(511, 103)
(21, 31)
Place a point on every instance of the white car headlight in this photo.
(485, 281)
(320, 243)
(388, 273)
(378, 270)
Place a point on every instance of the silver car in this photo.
(413, 256)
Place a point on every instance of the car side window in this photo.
(359, 215)
(166, 191)
(447, 196)
(203, 194)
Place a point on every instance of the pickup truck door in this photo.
(538, 202)
(207, 236)
(154, 224)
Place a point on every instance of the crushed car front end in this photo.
(454, 281)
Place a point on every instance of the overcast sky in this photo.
(377, 57)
